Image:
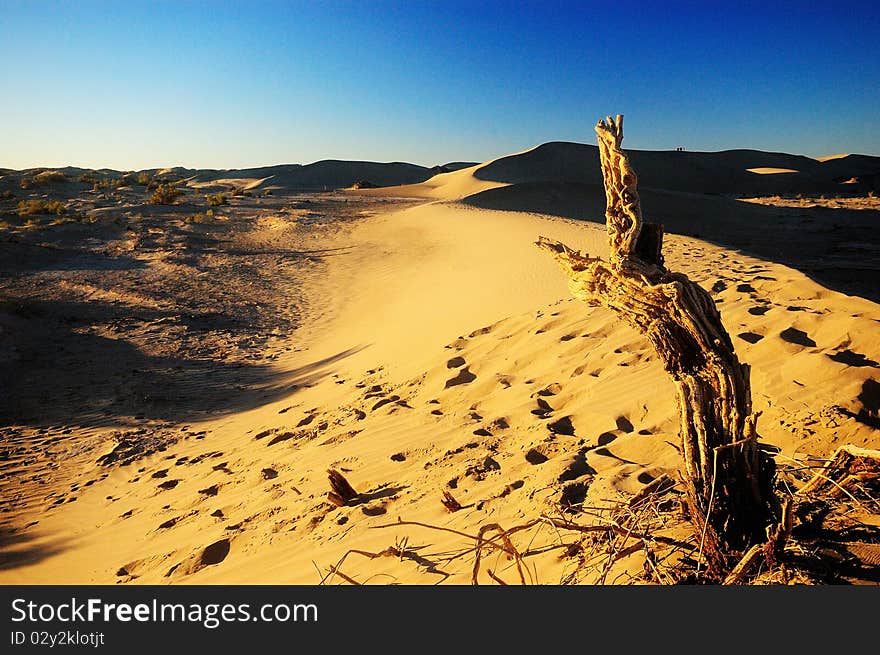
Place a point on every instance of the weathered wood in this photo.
(728, 478)
(848, 468)
(342, 492)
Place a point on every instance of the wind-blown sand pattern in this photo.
(176, 389)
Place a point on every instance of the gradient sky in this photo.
(131, 85)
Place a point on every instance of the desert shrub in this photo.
(47, 177)
(108, 184)
(206, 217)
(6, 195)
(217, 199)
(32, 207)
(165, 194)
(89, 177)
(247, 194)
(144, 179)
(26, 183)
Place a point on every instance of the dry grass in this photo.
(40, 206)
(827, 534)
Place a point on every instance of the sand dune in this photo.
(418, 348)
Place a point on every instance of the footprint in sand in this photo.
(573, 496)
(750, 337)
(535, 457)
(213, 490)
(562, 426)
(464, 377)
(385, 401)
(576, 467)
(278, 438)
(624, 424)
(211, 555)
(797, 337)
(550, 390)
(854, 359)
(544, 409)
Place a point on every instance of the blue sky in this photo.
(131, 85)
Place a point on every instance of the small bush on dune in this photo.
(89, 177)
(47, 177)
(108, 184)
(41, 178)
(217, 199)
(6, 195)
(32, 207)
(198, 219)
(144, 179)
(166, 193)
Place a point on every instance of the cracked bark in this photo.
(728, 478)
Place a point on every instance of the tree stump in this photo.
(728, 478)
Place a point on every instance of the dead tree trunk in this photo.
(728, 479)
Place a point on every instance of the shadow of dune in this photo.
(25, 257)
(19, 549)
(838, 248)
(62, 372)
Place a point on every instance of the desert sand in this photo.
(177, 388)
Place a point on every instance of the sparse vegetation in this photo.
(33, 207)
(89, 177)
(128, 178)
(47, 177)
(108, 184)
(165, 193)
(145, 179)
(199, 219)
(6, 195)
(216, 199)
(42, 178)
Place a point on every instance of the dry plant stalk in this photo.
(728, 479)
(342, 492)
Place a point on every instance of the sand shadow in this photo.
(63, 373)
(838, 248)
(19, 549)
